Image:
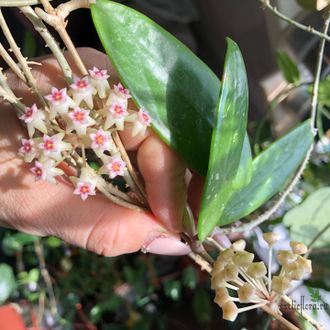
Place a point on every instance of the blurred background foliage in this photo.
(64, 287)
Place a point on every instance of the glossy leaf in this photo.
(272, 169)
(288, 67)
(227, 141)
(7, 282)
(244, 172)
(310, 218)
(164, 77)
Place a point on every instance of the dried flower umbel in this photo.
(236, 271)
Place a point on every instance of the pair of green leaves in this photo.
(202, 120)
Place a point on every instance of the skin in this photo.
(97, 224)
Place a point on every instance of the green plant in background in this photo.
(205, 121)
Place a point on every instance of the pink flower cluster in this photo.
(79, 118)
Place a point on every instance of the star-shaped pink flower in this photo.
(121, 91)
(116, 166)
(141, 121)
(144, 117)
(59, 102)
(29, 114)
(80, 120)
(82, 91)
(98, 74)
(85, 189)
(99, 80)
(101, 141)
(86, 184)
(27, 151)
(116, 115)
(46, 171)
(34, 119)
(53, 146)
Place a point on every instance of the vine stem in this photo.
(8, 95)
(11, 63)
(45, 275)
(22, 61)
(19, 3)
(66, 8)
(279, 317)
(205, 265)
(41, 28)
(267, 4)
(137, 184)
(316, 237)
(56, 19)
(265, 216)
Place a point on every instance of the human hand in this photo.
(97, 224)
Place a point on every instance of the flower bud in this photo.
(271, 238)
(294, 271)
(230, 311)
(306, 264)
(285, 257)
(230, 272)
(298, 248)
(280, 284)
(218, 280)
(243, 258)
(222, 296)
(257, 269)
(223, 258)
(239, 245)
(225, 255)
(246, 293)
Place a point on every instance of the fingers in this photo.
(163, 172)
(96, 224)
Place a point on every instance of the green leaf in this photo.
(34, 275)
(13, 243)
(288, 67)
(53, 242)
(244, 172)
(164, 76)
(310, 218)
(7, 282)
(227, 141)
(324, 91)
(271, 171)
(202, 306)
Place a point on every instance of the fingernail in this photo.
(165, 245)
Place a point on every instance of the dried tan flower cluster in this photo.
(236, 271)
